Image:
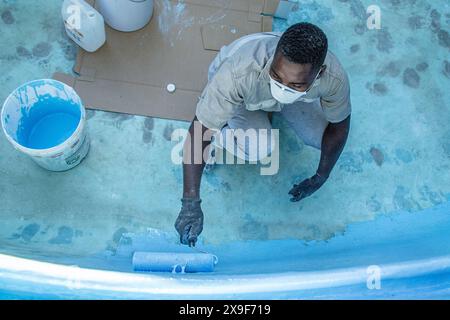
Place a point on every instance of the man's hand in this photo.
(333, 142)
(306, 188)
(189, 223)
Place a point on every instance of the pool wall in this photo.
(411, 252)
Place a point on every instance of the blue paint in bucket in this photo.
(48, 123)
(45, 119)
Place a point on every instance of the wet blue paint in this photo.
(52, 130)
(48, 123)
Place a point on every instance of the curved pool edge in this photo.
(18, 274)
(410, 250)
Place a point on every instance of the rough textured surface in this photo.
(42, 49)
(7, 17)
(411, 78)
(397, 156)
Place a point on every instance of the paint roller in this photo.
(174, 262)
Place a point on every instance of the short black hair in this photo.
(304, 43)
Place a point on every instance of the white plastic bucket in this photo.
(126, 15)
(46, 120)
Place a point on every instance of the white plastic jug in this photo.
(84, 24)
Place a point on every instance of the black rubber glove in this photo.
(189, 223)
(307, 187)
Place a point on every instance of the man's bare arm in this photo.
(333, 142)
(189, 223)
(192, 172)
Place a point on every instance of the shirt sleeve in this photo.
(337, 105)
(220, 99)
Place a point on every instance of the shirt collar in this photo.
(264, 75)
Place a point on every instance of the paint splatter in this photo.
(444, 38)
(173, 20)
(379, 89)
(147, 135)
(384, 40)
(65, 235)
(435, 20)
(392, 69)
(42, 49)
(310, 11)
(253, 230)
(44, 63)
(411, 78)
(442, 35)
(351, 162)
(168, 132)
(69, 49)
(416, 22)
(23, 52)
(358, 9)
(29, 232)
(429, 195)
(403, 200)
(7, 17)
(360, 28)
(373, 204)
(355, 48)
(214, 181)
(396, 3)
(226, 186)
(120, 116)
(378, 156)
(422, 67)
(446, 69)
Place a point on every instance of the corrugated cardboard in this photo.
(130, 73)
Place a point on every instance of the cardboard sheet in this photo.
(130, 73)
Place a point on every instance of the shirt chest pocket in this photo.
(261, 99)
(267, 105)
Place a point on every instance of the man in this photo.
(294, 74)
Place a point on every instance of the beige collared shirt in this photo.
(241, 79)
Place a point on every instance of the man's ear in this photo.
(322, 70)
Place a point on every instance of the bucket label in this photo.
(73, 158)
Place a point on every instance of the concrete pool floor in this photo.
(397, 157)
